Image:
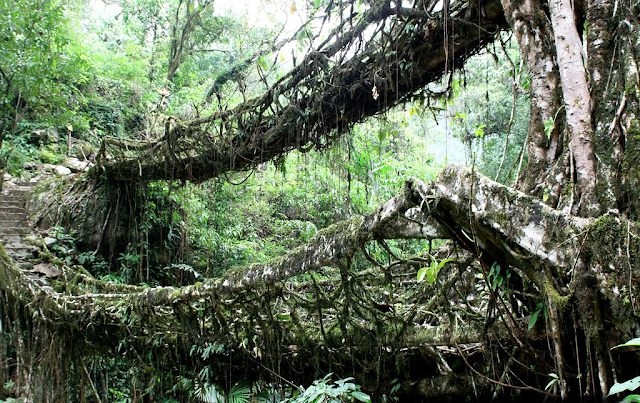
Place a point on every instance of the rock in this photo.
(24, 266)
(43, 137)
(7, 177)
(31, 166)
(60, 170)
(48, 241)
(56, 169)
(76, 165)
(47, 270)
(84, 150)
(34, 240)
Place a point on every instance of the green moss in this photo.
(48, 155)
(560, 301)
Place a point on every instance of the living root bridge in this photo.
(361, 322)
(403, 50)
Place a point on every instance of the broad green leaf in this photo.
(431, 273)
(421, 273)
(549, 125)
(631, 398)
(361, 396)
(442, 263)
(533, 320)
(633, 342)
(630, 385)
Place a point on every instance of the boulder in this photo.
(56, 169)
(75, 165)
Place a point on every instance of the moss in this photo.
(560, 301)
(48, 155)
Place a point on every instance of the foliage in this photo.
(42, 73)
(631, 384)
(480, 111)
(430, 273)
(322, 390)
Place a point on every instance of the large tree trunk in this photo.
(532, 30)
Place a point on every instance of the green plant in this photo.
(430, 273)
(631, 384)
(209, 393)
(496, 278)
(536, 313)
(322, 390)
(65, 246)
(48, 155)
(554, 380)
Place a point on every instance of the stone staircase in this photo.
(16, 234)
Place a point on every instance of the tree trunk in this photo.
(545, 137)
(577, 104)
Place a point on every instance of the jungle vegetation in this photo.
(343, 200)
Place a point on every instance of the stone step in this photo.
(18, 245)
(15, 229)
(7, 239)
(17, 192)
(7, 218)
(12, 210)
(21, 188)
(9, 211)
(13, 204)
(11, 197)
(20, 253)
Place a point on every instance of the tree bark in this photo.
(533, 31)
(577, 104)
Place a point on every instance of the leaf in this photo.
(432, 273)
(631, 398)
(239, 393)
(534, 319)
(554, 379)
(630, 385)
(442, 263)
(633, 342)
(284, 317)
(421, 273)
(466, 235)
(549, 125)
(361, 396)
